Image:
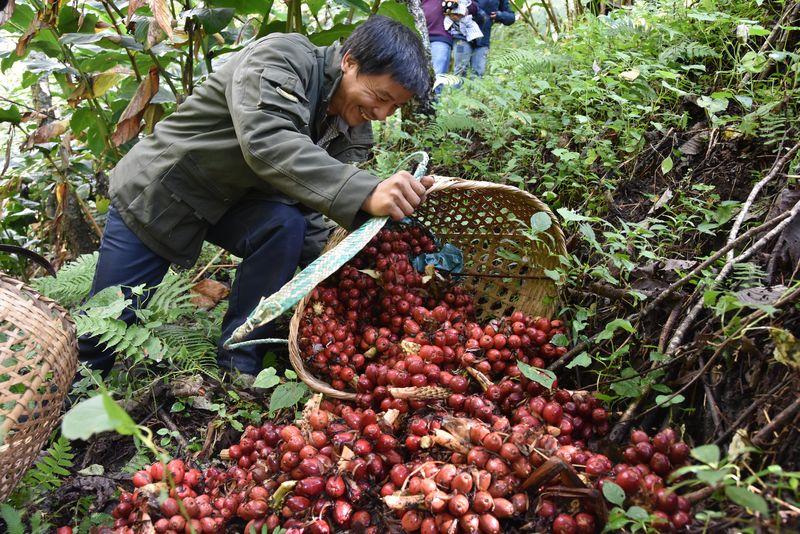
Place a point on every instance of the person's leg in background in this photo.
(125, 261)
(440, 58)
(268, 236)
(478, 60)
(462, 52)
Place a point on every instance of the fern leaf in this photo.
(13, 519)
(73, 282)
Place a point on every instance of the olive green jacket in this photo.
(249, 130)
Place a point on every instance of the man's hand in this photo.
(455, 16)
(493, 15)
(397, 196)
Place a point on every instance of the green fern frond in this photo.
(72, 283)
(689, 51)
(13, 519)
(172, 297)
(530, 60)
(47, 474)
(455, 121)
(176, 336)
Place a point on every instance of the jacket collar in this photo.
(332, 77)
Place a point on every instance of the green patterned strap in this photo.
(304, 282)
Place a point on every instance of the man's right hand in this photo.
(397, 196)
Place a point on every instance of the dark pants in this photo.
(268, 236)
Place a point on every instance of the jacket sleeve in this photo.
(505, 14)
(271, 115)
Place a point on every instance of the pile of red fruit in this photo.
(453, 421)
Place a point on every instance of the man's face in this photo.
(366, 97)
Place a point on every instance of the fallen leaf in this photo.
(695, 144)
(129, 124)
(208, 293)
(629, 75)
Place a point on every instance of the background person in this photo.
(473, 55)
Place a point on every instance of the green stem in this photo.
(262, 30)
(119, 32)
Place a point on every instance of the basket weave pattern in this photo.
(38, 359)
(485, 220)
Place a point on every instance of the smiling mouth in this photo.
(363, 114)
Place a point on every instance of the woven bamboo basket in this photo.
(38, 359)
(483, 219)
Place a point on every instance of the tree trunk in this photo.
(415, 8)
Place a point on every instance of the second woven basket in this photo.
(486, 221)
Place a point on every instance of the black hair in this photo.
(385, 46)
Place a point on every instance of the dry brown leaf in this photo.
(129, 123)
(163, 16)
(208, 293)
(133, 5)
(5, 15)
(154, 34)
(45, 132)
(33, 28)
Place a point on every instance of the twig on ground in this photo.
(747, 413)
(169, 423)
(761, 437)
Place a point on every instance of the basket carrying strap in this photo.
(304, 282)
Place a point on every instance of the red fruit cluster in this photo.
(642, 476)
(186, 509)
(445, 430)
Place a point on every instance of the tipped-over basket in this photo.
(503, 267)
(38, 359)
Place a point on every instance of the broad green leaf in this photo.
(542, 377)
(613, 493)
(571, 216)
(712, 477)
(540, 222)
(613, 326)
(68, 18)
(708, 454)
(10, 114)
(360, 5)
(266, 379)
(581, 360)
(748, 499)
(560, 340)
(666, 165)
(398, 12)
(82, 118)
(95, 415)
(713, 105)
(638, 513)
(212, 19)
(669, 400)
(632, 387)
(287, 395)
(328, 37)
(242, 7)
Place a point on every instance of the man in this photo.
(473, 54)
(250, 160)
